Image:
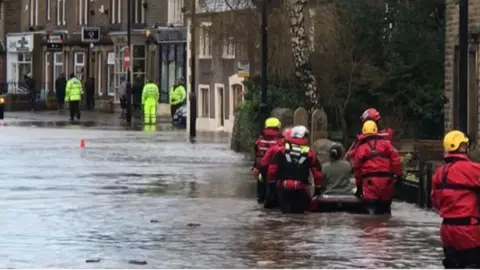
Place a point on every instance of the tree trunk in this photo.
(301, 50)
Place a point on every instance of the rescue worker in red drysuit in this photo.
(271, 200)
(376, 166)
(374, 115)
(270, 136)
(455, 191)
(291, 167)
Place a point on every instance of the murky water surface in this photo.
(156, 197)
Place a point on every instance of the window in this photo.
(111, 73)
(120, 70)
(24, 64)
(100, 74)
(175, 14)
(48, 11)
(139, 61)
(46, 82)
(33, 10)
(138, 12)
(61, 20)
(57, 65)
(237, 92)
(205, 41)
(116, 11)
(228, 48)
(79, 64)
(204, 100)
(83, 12)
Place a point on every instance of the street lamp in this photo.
(129, 45)
(193, 69)
(264, 58)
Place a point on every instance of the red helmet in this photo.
(370, 114)
(287, 133)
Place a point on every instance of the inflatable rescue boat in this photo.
(338, 203)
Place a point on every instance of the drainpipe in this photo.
(463, 67)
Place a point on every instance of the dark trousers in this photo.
(32, 100)
(90, 101)
(461, 259)
(173, 109)
(74, 109)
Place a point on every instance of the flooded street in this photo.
(156, 197)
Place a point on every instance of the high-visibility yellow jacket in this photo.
(177, 95)
(73, 90)
(150, 90)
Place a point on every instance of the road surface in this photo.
(155, 198)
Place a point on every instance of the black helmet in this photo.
(335, 151)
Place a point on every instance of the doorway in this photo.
(221, 105)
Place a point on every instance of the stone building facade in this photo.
(452, 64)
(61, 22)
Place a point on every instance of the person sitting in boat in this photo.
(338, 174)
(291, 167)
(271, 200)
(377, 164)
(271, 135)
(373, 115)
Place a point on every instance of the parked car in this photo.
(180, 116)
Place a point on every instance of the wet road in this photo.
(155, 197)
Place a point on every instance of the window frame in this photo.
(205, 41)
(116, 11)
(201, 109)
(48, 10)
(78, 64)
(61, 12)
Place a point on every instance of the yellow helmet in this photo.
(453, 140)
(369, 127)
(272, 122)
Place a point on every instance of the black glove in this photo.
(359, 192)
(318, 190)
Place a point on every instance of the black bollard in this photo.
(421, 184)
(428, 184)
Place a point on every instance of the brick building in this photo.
(9, 22)
(452, 67)
(60, 22)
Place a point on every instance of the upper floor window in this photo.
(83, 12)
(205, 44)
(228, 48)
(61, 20)
(138, 12)
(175, 14)
(47, 10)
(33, 10)
(116, 11)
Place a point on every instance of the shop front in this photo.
(172, 52)
(19, 59)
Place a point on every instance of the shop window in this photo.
(79, 65)
(57, 65)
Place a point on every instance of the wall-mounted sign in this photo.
(54, 42)
(90, 34)
(23, 43)
(243, 69)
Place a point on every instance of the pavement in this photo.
(88, 119)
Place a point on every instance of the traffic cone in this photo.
(82, 143)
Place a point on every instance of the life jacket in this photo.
(262, 147)
(374, 154)
(462, 221)
(295, 164)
